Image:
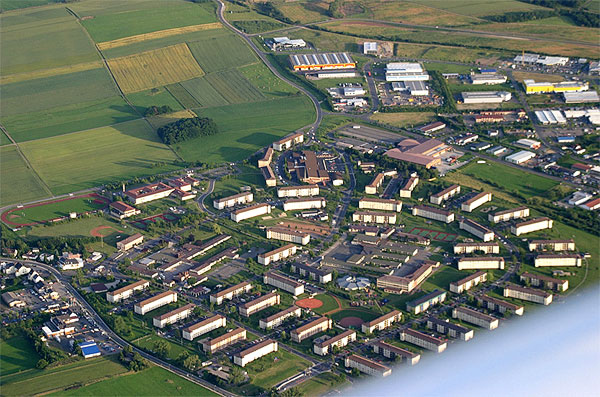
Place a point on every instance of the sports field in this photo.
(433, 234)
(17, 355)
(18, 183)
(154, 68)
(90, 158)
(329, 303)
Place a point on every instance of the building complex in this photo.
(476, 229)
(468, 282)
(474, 317)
(423, 340)
(314, 327)
(381, 323)
(155, 302)
(125, 292)
(173, 316)
(285, 283)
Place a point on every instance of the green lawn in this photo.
(147, 342)
(269, 84)
(271, 369)
(321, 384)
(363, 314)
(17, 355)
(18, 183)
(90, 158)
(153, 97)
(153, 381)
(442, 278)
(329, 303)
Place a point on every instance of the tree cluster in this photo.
(335, 9)
(185, 129)
(156, 110)
(269, 9)
(518, 16)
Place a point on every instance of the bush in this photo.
(185, 129)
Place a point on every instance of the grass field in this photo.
(363, 314)
(442, 278)
(43, 73)
(478, 8)
(155, 68)
(158, 96)
(182, 95)
(153, 381)
(90, 158)
(232, 86)
(17, 355)
(404, 119)
(164, 119)
(210, 55)
(329, 303)
(203, 93)
(320, 384)
(269, 84)
(305, 12)
(35, 381)
(18, 183)
(271, 369)
(147, 342)
(539, 77)
(414, 13)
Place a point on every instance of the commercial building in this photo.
(130, 242)
(474, 202)
(149, 193)
(581, 97)
(538, 280)
(277, 254)
(250, 212)
(203, 327)
(531, 87)
(284, 283)
(155, 302)
(374, 217)
(528, 144)
(558, 260)
(507, 215)
(125, 292)
(527, 294)
(498, 305)
(550, 117)
(278, 43)
(221, 342)
(314, 327)
(533, 59)
(89, 349)
(288, 141)
(468, 282)
(380, 204)
(426, 154)
(267, 158)
(469, 248)
(487, 79)
(425, 302)
(13, 299)
(285, 234)
(474, 317)
(423, 340)
(231, 292)
(207, 264)
(268, 175)
(232, 201)
(404, 71)
(297, 204)
(485, 97)
(433, 213)
(381, 323)
(255, 352)
(520, 157)
(482, 262)
(447, 328)
(370, 48)
(338, 60)
(413, 88)
(408, 187)
(433, 127)
(254, 306)
(591, 205)
(276, 319)
(531, 226)
(298, 191)
(372, 187)
(322, 276)
(121, 210)
(399, 285)
(173, 316)
(391, 351)
(323, 348)
(439, 197)
(367, 366)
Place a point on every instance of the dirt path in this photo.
(338, 308)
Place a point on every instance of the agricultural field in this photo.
(305, 12)
(202, 92)
(232, 85)
(154, 68)
(158, 96)
(18, 355)
(18, 183)
(211, 57)
(164, 119)
(263, 79)
(42, 73)
(476, 8)
(182, 95)
(404, 119)
(414, 13)
(151, 381)
(90, 158)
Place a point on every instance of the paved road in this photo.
(368, 73)
(209, 190)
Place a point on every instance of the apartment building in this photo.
(382, 322)
(207, 264)
(471, 204)
(314, 327)
(285, 283)
(155, 302)
(465, 284)
(425, 302)
(367, 366)
(323, 348)
(254, 306)
(374, 217)
(147, 193)
(377, 204)
(250, 212)
(552, 245)
(447, 328)
(469, 248)
(121, 210)
(408, 187)
(298, 191)
(267, 158)
(203, 327)
(322, 276)
(230, 293)
(439, 197)
(372, 187)
(474, 317)
(476, 229)
(538, 280)
(297, 204)
(232, 201)
(527, 294)
(498, 305)
(268, 175)
(223, 341)
(423, 340)
(507, 215)
(278, 318)
(127, 291)
(433, 213)
(531, 226)
(277, 254)
(173, 316)
(481, 262)
(290, 235)
(129, 242)
(288, 141)
(399, 285)
(255, 352)
(548, 260)
(391, 352)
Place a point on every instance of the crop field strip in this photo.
(211, 56)
(154, 68)
(18, 183)
(39, 74)
(183, 96)
(232, 85)
(203, 92)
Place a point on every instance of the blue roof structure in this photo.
(89, 349)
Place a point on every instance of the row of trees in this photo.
(519, 16)
(185, 129)
(573, 9)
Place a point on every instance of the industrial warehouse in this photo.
(337, 60)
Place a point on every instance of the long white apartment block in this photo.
(423, 340)
(499, 305)
(322, 276)
(469, 248)
(382, 322)
(440, 197)
(278, 318)
(298, 191)
(203, 327)
(507, 215)
(230, 293)
(481, 262)
(255, 352)
(221, 342)
(372, 187)
(258, 304)
(391, 351)
(531, 226)
(476, 229)
(314, 327)
(173, 316)
(527, 294)
(552, 245)
(125, 292)
(408, 187)
(367, 366)
(471, 204)
(278, 254)
(232, 201)
(323, 348)
(465, 284)
(286, 234)
(250, 212)
(285, 283)
(374, 217)
(557, 260)
(377, 204)
(155, 302)
(448, 328)
(541, 281)
(288, 141)
(474, 317)
(433, 213)
(297, 204)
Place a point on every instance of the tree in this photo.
(161, 348)
(191, 362)
(41, 364)
(236, 376)
(216, 228)
(182, 357)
